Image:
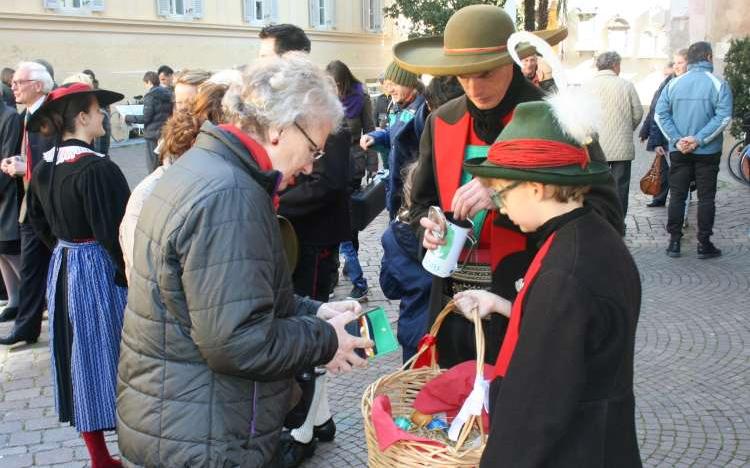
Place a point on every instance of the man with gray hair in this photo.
(621, 114)
(31, 84)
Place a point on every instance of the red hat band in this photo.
(63, 91)
(536, 154)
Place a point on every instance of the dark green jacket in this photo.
(213, 332)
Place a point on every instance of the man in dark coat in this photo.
(31, 84)
(157, 108)
(463, 129)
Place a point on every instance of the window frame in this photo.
(368, 16)
(328, 7)
(269, 9)
(168, 9)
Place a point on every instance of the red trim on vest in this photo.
(449, 146)
(78, 157)
(516, 314)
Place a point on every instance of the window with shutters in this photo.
(261, 12)
(322, 14)
(372, 15)
(74, 6)
(180, 9)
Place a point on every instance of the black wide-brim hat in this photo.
(56, 99)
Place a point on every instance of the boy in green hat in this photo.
(562, 387)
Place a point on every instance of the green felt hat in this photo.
(475, 40)
(400, 76)
(534, 147)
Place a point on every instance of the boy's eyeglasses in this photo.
(497, 196)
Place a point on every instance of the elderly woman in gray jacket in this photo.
(213, 332)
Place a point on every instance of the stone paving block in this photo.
(42, 423)
(17, 450)
(59, 434)
(51, 457)
(10, 427)
(17, 461)
(23, 394)
(25, 438)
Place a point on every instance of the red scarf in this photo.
(257, 152)
(514, 327)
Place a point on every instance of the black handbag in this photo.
(368, 202)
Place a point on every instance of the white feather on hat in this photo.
(577, 111)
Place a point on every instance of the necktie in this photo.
(26, 147)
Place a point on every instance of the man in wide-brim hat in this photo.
(474, 48)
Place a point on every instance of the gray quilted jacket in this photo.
(213, 332)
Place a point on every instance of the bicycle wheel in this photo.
(734, 159)
(744, 166)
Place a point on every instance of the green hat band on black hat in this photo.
(400, 76)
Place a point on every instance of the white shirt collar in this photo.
(34, 107)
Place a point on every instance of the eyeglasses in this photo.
(317, 152)
(497, 196)
(18, 83)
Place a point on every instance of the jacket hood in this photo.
(703, 66)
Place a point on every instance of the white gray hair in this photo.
(279, 91)
(607, 60)
(37, 72)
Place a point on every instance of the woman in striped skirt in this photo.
(76, 201)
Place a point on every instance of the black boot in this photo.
(673, 250)
(14, 338)
(9, 314)
(292, 453)
(708, 250)
(326, 431)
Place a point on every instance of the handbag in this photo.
(368, 202)
(651, 181)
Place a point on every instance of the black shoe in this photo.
(326, 431)
(14, 338)
(708, 250)
(358, 294)
(673, 250)
(9, 314)
(293, 453)
(655, 204)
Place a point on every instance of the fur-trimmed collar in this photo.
(69, 154)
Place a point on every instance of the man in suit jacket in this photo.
(31, 84)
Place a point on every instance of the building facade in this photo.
(646, 33)
(122, 39)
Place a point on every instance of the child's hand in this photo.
(485, 302)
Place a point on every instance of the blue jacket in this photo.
(402, 139)
(402, 277)
(695, 104)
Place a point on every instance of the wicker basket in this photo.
(402, 388)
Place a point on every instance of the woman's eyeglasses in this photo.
(497, 196)
(317, 153)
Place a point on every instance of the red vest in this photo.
(449, 146)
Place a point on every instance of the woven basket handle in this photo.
(478, 338)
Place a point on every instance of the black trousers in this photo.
(152, 160)
(621, 173)
(683, 168)
(315, 271)
(661, 197)
(35, 257)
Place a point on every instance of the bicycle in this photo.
(738, 161)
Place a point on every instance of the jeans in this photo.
(705, 169)
(621, 173)
(353, 268)
(152, 159)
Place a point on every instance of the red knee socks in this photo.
(98, 451)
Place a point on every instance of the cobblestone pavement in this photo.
(692, 388)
